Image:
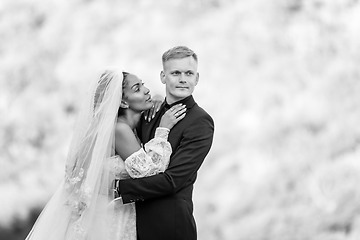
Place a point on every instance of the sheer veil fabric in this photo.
(82, 206)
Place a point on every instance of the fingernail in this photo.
(145, 117)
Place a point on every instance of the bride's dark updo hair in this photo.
(103, 84)
(121, 111)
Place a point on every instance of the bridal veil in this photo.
(80, 207)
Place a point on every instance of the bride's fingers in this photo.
(180, 112)
(180, 117)
(176, 113)
(177, 107)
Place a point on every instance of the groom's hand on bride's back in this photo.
(157, 101)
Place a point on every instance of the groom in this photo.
(164, 206)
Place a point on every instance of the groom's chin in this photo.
(183, 93)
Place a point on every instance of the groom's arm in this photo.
(185, 162)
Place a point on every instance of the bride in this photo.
(104, 149)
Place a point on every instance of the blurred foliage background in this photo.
(281, 79)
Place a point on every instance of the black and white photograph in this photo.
(179, 120)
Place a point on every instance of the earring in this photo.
(124, 105)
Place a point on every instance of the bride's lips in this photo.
(149, 99)
(182, 87)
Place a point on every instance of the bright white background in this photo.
(281, 79)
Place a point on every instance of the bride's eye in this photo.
(140, 86)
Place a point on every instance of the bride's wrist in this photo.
(162, 132)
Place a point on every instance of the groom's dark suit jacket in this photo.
(164, 206)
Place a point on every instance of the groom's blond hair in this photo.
(178, 52)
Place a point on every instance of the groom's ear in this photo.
(162, 77)
(197, 78)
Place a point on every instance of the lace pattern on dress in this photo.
(78, 201)
(123, 221)
(117, 168)
(76, 232)
(161, 132)
(154, 159)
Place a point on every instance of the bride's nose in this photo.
(147, 91)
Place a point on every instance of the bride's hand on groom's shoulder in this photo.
(157, 101)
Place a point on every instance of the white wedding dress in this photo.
(153, 160)
(83, 206)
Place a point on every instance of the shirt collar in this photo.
(188, 101)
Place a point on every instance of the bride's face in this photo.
(136, 95)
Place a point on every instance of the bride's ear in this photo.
(124, 104)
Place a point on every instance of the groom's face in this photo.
(180, 77)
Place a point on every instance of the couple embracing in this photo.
(129, 177)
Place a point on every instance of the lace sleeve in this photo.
(116, 167)
(153, 159)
